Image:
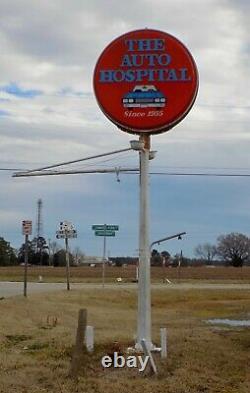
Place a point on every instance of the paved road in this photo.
(8, 289)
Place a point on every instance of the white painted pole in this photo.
(89, 338)
(144, 290)
(163, 343)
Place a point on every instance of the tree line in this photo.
(231, 249)
(39, 253)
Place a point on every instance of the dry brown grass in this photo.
(35, 352)
(89, 274)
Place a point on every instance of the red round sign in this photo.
(145, 81)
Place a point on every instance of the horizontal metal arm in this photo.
(79, 160)
(167, 238)
(74, 172)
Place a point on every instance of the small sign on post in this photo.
(26, 227)
(66, 231)
(104, 230)
(26, 231)
(108, 227)
(105, 233)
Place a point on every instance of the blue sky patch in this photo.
(3, 113)
(69, 91)
(14, 89)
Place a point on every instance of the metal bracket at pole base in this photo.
(138, 346)
(148, 353)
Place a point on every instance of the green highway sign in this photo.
(104, 233)
(112, 227)
(97, 227)
(108, 227)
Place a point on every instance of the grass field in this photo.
(89, 274)
(35, 354)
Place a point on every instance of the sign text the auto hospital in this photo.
(144, 64)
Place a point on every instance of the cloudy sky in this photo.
(48, 114)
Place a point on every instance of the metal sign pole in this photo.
(67, 262)
(144, 290)
(66, 231)
(26, 231)
(25, 266)
(104, 256)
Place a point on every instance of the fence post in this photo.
(89, 338)
(163, 343)
(78, 348)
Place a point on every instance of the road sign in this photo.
(64, 234)
(97, 227)
(108, 227)
(66, 230)
(105, 233)
(27, 227)
(66, 225)
(112, 227)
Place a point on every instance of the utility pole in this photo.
(144, 282)
(144, 279)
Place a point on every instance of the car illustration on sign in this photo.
(144, 96)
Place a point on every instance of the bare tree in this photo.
(165, 258)
(53, 249)
(156, 258)
(78, 255)
(234, 248)
(205, 251)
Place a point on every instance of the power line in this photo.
(204, 174)
(130, 171)
(13, 169)
(201, 174)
